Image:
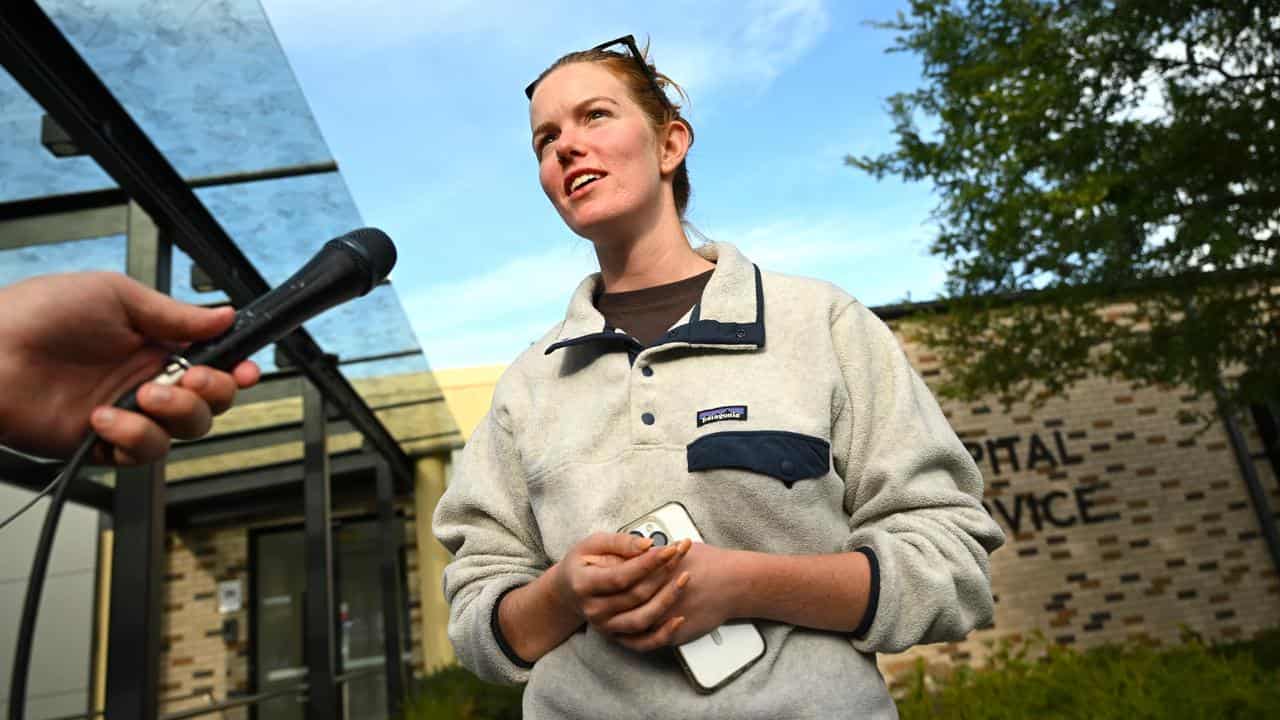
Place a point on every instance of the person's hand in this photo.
(71, 345)
(704, 604)
(606, 577)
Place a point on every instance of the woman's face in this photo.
(598, 159)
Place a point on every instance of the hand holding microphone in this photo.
(71, 344)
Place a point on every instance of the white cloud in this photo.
(497, 344)
(514, 288)
(877, 258)
(355, 23)
(493, 316)
(734, 46)
(826, 246)
(704, 46)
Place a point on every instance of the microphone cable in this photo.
(32, 501)
(35, 586)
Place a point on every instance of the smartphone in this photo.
(714, 659)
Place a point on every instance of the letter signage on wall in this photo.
(1056, 508)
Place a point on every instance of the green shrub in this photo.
(1127, 682)
(454, 693)
(1032, 679)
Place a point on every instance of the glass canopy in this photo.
(207, 82)
(211, 87)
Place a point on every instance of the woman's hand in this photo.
(620, 584)
(823, 592)
(707, 599)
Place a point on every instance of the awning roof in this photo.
(212, 89)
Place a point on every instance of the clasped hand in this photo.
(645, 597)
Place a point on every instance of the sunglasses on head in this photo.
(628, 42)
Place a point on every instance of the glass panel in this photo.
(280, 583)
(280, 225)
(106, 253)
(27, 169)
(207, 82)
(360, 607)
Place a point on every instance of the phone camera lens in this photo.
(637, 533)
(659, 539)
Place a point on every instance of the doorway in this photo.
(279, 587)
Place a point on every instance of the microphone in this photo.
(346, 267)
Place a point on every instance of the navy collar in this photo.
(729, 315)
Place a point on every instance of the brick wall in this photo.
(195, 658)
(1124, 522)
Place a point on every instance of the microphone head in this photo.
(375, 250)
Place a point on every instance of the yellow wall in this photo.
(468, 392)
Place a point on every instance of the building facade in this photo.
(1124, 521)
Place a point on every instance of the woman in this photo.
(840, 512)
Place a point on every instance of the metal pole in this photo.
(1261, 507)
(1226, 411)
(138, 557)
(391, 531)
(318, 649)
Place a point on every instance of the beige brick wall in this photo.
(1129, 524)
(1123, 522)
(194, 657)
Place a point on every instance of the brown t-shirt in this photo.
(646, 314)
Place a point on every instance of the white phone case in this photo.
(714, 659)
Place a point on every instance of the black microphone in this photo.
(346, 267)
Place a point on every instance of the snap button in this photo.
(646, 371)
(740, 334)
(647, 418)
(788, 467)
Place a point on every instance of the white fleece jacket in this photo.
(814, 437)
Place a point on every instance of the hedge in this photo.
(1028, 679)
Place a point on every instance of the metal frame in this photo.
(1266, 417)
(45, 64)
(392, 537)
(42, 60)
(394, 701)
(99, 213)
(320, 614)
(137, 561)
(1249, 472)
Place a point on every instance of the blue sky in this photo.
(422, 106)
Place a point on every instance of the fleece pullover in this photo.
(784, 416)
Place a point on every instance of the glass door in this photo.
(360, 642)
(279, 584)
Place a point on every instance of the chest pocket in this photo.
(786, 456)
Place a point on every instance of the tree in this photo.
(1092, 152)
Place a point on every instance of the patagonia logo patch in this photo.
(728, 412)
